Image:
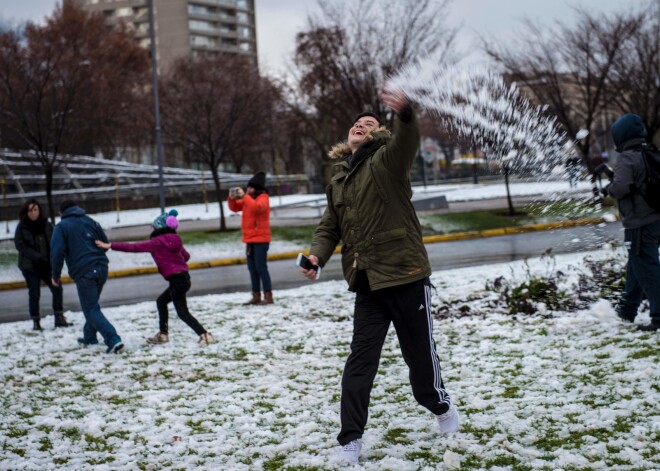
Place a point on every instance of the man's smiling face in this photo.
(358, 133)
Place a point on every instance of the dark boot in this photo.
(652, 327)
(60, 321)
(268, 298)
(36, 324)
(256, 299)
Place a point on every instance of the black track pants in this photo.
(176, 293)
(409, 308)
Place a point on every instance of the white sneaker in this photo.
(448, 422)
(350, 453)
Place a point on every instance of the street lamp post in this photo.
(154, 75)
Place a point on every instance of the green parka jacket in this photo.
(370, 211)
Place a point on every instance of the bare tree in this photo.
(344, 55)
(635, 77)
(216, 109)
(68, 86)
(568, 68)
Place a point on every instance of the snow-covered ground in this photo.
(212, 251)
(568, 391)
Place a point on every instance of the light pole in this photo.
(154, 75)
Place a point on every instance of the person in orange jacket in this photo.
(255, 224)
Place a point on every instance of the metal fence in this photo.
(105, 185)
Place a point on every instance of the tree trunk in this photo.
(218, 195)
(512, 211)
(49, 194)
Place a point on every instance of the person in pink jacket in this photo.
(167, 250)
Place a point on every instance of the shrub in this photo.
(537, 293)
(604, 279)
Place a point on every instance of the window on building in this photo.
(203, 41)
(142, 28)
(201, 25)
(242, 17)
(242, 4)
(243, 32)
(194, 9)
(123, 12)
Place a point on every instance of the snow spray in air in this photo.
(478, 105)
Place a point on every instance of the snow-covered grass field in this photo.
(569, 391)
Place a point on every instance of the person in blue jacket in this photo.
(73, 242)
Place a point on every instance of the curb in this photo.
(221, 262)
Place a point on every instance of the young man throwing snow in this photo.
(385, 263)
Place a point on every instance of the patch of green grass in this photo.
(275, 463)
(471, 462)
(72, 433)
(264, 405)
(645, 352)
(239, 354)
(62, 460)
(14, 432)
(8, 257)
(19, 451)
(483, 435)
(508, 461)
(121, 434)
(397, 436)
(472, 221)
(45, 444)
(119, 400)
(511, 392)
(530, 214)
(98, 444)
(294, 348)
(424, 455)
(196, 427)
(302, 234)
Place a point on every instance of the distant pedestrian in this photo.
(32, 240)
(73, 242)
(167, 250)
(640, 220)
(385, 263)
(573, 170)
(255, 224)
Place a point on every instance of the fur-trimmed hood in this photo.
(341, 150)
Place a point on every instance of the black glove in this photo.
(604, 168)
(605, 191)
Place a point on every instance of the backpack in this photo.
(651, 187)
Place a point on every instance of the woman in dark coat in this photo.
(32, 240)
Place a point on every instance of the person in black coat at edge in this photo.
(32, 240)
(640, 221)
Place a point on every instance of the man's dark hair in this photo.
(373, 115)
(66, 204)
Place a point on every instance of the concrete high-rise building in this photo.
(186, 27)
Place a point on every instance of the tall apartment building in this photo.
(186, 27)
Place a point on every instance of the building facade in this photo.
(186, 27)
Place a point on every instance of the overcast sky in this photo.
(278, 21)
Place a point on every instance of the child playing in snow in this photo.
(170, 256)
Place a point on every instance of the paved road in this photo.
(285, 274)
